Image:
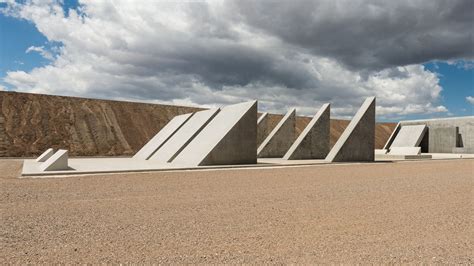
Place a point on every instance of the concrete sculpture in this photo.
(58, 161)
(184, 135)
(262, 128)
(409, 136)
(280, 139)
(45, 155)
(229, 138)
(313, 142)
(357, 142)
(161, 137)
(443, 139)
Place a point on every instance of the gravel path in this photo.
(361, 213)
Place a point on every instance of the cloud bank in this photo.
(284, 54)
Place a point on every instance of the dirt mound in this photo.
(31, 123)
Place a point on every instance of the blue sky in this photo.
(259, 70)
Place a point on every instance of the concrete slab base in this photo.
(398, 157)
(405, 151)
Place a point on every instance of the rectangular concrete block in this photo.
(168, 151)
(229, 138)
(405, 151)
(409, 136)
(162, 136)
(357, 142)
(58, 161)
(442, 139)
(380, 151)
(45, 155)
(280, 139)
(313, 142)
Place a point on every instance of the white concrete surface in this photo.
(169, 150)
(162, 136)
(380, 151)
(229, 138)
(45, 155)
(405, 151)
(409, 136)
(58, 161)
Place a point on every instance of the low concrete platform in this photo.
(96, 165)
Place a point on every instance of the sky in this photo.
(415, 56)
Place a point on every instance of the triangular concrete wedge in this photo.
(357, 142)
(262, 128)
(313, 142)
(280, 139)
(162, 136)
(184, 135)
(58, 161)
(45, 155)
(230, 138)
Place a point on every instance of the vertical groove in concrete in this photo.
(280, 139)
(229, 138)
(357, 142)
(162, 136)
(313, 142)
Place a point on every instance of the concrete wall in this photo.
(465, 138)
(280, 139)
(442, 139)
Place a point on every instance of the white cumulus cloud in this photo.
(221, 52)
(470, 99)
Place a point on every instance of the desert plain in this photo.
(403, 212)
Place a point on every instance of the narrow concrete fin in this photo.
(313, 142)
(58, 161)
(262, 128)
(168, 151)
(280, 139)
(162, 136)
(357, 142)
(45, 155)
(229, 138)
(262, 118)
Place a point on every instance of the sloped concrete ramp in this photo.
(409, 136)
(162, 136)
(45, 155)
(184, 136)
(229, 138)
(280, 139)
(58, 161)
(357, 142)
(313, 142)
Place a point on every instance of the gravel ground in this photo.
(361, 213)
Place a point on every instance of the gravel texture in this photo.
(361, 213)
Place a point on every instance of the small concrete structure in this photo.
(313, 142)
(229, 138)
(162, 136)
(45, 155)
(409, 136)
(405, 151)
(57, 162)
(262, 128)
(184, 135)
(443, 141)
(357, 142)
(280, 139)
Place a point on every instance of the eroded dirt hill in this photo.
(31, 123)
